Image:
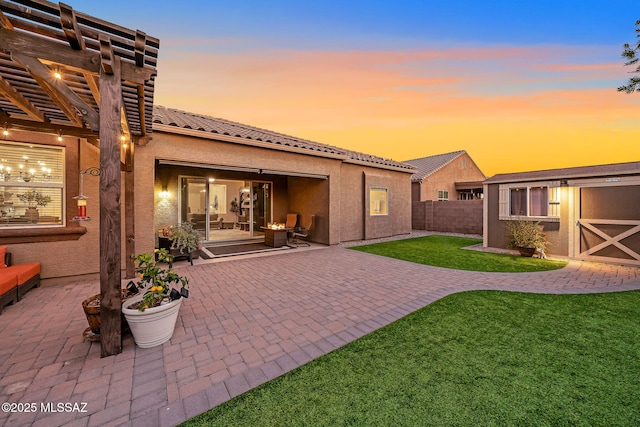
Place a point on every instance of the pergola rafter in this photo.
(65, 71)
(37, 29)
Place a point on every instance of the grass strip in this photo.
(448, 252)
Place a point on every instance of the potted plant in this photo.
(91, 307)
(181, 241)
(527, 237)
(184, 238)
(33, 198)
(152, 314)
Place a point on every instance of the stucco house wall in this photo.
(461, 169)
(338, 201)
(327, 182)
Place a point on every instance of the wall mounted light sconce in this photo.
(59, 136)
(5, 131)
(164, 194)
(564, 183)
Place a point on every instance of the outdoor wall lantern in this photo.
(81, 199)
(164, 194)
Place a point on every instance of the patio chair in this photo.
(304, 232)
(290, 225)
(292, 220)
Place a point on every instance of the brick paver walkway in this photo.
(247, 321)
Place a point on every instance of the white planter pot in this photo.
(153, 326)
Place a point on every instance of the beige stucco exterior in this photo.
(460, 169)
(331, 187)
(338, 202)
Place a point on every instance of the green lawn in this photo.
(474, 358)
(446, 251)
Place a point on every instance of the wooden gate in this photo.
(609, 224)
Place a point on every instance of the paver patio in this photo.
(247, 321)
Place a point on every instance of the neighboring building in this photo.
(193, 169)
(450, 177)
(590, 213)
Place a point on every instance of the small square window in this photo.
(443, 195)
(378, 201)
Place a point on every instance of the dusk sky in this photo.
(518, 85)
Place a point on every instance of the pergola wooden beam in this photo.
(48, 127)
(19, 100)
(81, 60)
(69, 102)
(106, 55)
(70, 27)
(141, 113)
(140, 43)
(4, 22)
(94, 86)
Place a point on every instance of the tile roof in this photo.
(630, 168)
(185, 120)
(426, 166)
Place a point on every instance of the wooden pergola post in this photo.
(129, 210)
(110, 219)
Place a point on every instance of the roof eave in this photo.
(157, 127)
(379, 165)
(515, 178)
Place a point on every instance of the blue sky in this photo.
(331, 24)
(429, 76)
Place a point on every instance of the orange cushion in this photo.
(24, 271)
(7, 282)
(3, 252)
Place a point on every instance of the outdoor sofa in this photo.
(16, 280)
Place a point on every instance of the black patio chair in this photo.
(304, 232)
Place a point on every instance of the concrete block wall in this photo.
(454, 216)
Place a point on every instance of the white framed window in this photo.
(539, 201)
(378, 201)
(31, 185)
(443, 195)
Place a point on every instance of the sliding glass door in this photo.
(225, 210)
(261, 206)
(193, 203)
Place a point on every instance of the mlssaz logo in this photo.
(63, 407)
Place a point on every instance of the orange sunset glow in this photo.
(516, 92)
